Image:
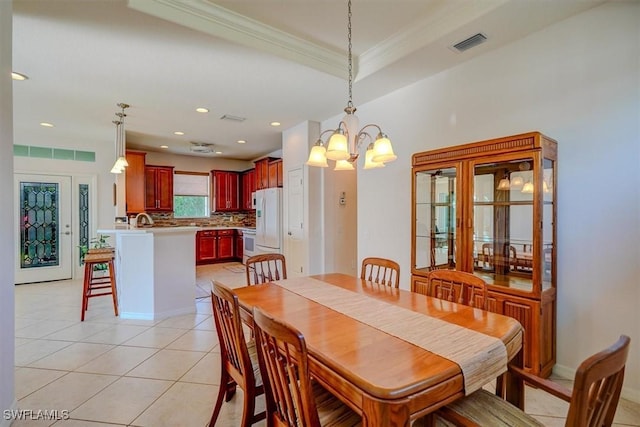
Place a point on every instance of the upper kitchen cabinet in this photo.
(489, 208)
(275, 173)
(268, 173)
(135, 186)
(248, 185)
(262, 174)
(226, 187)
(159, 188)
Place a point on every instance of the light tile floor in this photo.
(108, 371)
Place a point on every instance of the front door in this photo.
(43, 224)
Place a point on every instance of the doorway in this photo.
(43, 242)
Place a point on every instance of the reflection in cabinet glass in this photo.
(489, 208)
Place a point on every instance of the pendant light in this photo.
(121, 160)
(345, 141)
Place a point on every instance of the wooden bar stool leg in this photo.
(112, 275)
(85, 289)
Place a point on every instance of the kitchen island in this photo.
(155, 271)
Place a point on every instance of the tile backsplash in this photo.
(217, 219)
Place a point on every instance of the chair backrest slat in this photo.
(459, 287)
(231, 336)
(283, 357)
(265, 268)
(597, 386)
(381, 271)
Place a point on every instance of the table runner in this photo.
(481, 357)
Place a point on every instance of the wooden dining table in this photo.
(366, 343)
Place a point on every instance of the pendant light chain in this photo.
(350, 103)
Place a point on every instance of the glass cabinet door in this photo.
(435, 219)
(548, 227)
(503, 212)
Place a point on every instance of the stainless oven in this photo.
(248, 243)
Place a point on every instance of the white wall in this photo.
(7, 338)
(578, 82)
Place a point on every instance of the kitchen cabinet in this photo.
(248, 185)
(262, 173)
(489, 208)
(135, 182)
(159, 188)
(226, 186)
(206, 248)
(275, 173)
(215, 246)
(239, 247)
(226, 243)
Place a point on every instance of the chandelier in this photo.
(121, 160)
(346, 140)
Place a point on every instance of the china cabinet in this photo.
(489, 208)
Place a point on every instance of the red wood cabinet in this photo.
(159, 188)
(206, 248)
(248, 187)
(216, 245)
(135, 182)
(239, 249)
(226, 241)
(262, 174)
(275, 173)
(226, 187)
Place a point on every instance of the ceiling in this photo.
(262, 60)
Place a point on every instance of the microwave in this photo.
(253, 200)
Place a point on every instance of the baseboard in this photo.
(627, 393)
(3, 421)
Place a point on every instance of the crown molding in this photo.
(215, 20)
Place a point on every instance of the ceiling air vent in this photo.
(233, 118)
(201, 147)
(472, 41)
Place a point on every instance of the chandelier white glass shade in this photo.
(345, 141)
(121, 160)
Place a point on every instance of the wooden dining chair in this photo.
(456, 286)
(265, 268)
(293, 398)
(380, 270)
(486, 257)
(592, 403)
(239, 359)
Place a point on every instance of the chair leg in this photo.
(230, 390)
(222, 391)
(249, 407)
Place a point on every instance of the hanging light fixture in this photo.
(121, 160)
(345, 141)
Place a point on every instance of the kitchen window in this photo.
(190, 194)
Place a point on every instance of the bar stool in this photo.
(97, 286)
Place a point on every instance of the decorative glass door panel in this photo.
(435, 214)
(503, 222)
(548, 226)
(44, 228)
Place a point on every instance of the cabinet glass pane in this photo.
(435, 219)
(548, 244)
(503, 223)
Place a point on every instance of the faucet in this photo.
(143, 219)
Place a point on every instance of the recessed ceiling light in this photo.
(164, 146)
(218, 152)
(47, 125)
(18, 76)
(178, 132)
(241, 141)
(275, 123)
(202, 110)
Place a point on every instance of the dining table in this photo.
(392, 355)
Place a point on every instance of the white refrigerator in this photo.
(268, 220)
